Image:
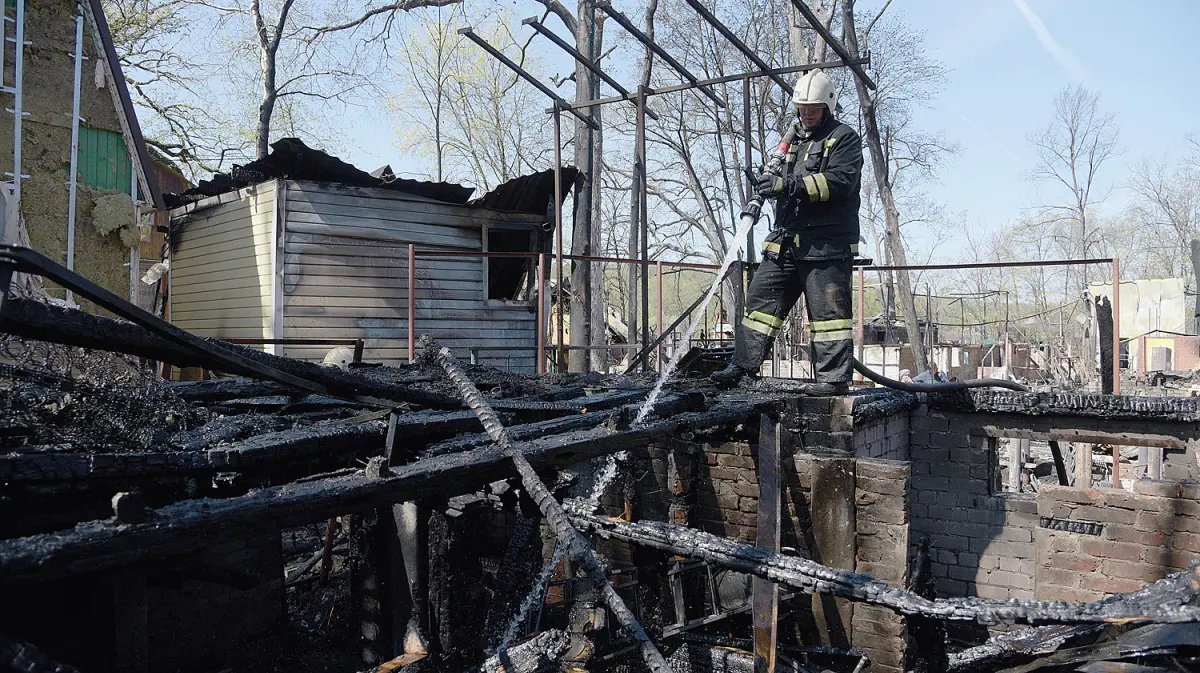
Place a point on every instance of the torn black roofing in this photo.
(291, 159)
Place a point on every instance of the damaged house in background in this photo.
(81, 207)
(302, 248)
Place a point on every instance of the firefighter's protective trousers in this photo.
(781, 278)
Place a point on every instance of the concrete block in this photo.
(1054, 593)
(930, 483)
(1012, 534)
(1075, 562)
(893, 487)
(988, 561)
(1158, 488)
(1009, 580)
(1104, 515)
(929, 423)
(952, 588)
(1114, 585)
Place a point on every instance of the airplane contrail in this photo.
(1063, 56)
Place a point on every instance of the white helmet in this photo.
(813, 88)
(339, 357)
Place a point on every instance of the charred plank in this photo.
(188, 525)
(1165, 601)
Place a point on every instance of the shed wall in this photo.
(221, 270)
(345, 267)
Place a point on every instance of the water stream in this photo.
(536, 594)
(744, 225)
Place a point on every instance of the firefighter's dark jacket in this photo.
(821, 212)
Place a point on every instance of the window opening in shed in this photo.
(511, 277)
(104, 162)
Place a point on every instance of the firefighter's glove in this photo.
(769, 184)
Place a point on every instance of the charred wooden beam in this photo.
(668, 405)
(1166, 603)
(188, 525)
(34, 320)
(207, 392)
(577, 547)
(1009, 648)
(18, 655)
(539, 653)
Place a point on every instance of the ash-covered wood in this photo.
(576, 546)
(1165, 601)
(1185, 409)
(188, 525)
(539, 653)
(17, 655)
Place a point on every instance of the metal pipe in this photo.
(71, 177)
(662, 53)
(558, 237)
(644, 217)
(989, 265)
(1116, 342)
(499, 56)
(18, 99)
(833, 42)
(412, 302)
(860, 328)
(659, 275)
(737, 42)
(540, 354)
(718, 80)
(533, 22)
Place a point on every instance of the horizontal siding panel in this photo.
(375, 230)
(387, 284)
(222, 285)
(249, 266)
(398, 219)
(210, 301)
(302, 271)
(326, 257)
(337, 246)
(400, 310)
(381, 328)
(220, 219)
(384, 199)
(225, 247)
(222, 311)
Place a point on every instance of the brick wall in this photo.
(885, 437)
(1118, 540)
(882, 525)
(981, 542)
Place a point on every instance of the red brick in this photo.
(1130, 534)
(1082, 496)
(1154, 521)
(1104, 515)
(1074, 562)
(1162, 489)
(1121, 551)
(1114, 585)
(1144, 572)
(1054, 576)
(1186, 542)
(1053, 593)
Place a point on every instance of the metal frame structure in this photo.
(639, 97)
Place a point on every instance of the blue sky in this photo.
(1006, 59)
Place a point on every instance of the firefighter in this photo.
(810, 251)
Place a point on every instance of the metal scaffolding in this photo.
(640, 211)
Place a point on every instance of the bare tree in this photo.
(881, 166)
(1079, 139)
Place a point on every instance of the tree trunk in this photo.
(581, 235)
(895, 244)
(635, 193)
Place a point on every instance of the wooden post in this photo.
(412, 303)
(1116, 458)
(766, 594)
(1083, 464)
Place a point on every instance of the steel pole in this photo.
(644, 217)
(541, 314)
(412, 303)
(559, 360)
(71, 181)
(659, 275)
(1116, 342)
(860, 328)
